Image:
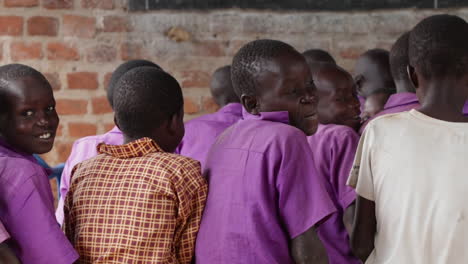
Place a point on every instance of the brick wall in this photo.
(77, 44)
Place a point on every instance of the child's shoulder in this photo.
(172, 160)
(335, 130)
(16, 170)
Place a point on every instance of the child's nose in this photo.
(43, 120)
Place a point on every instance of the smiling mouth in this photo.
(46, 135)
(310, 115)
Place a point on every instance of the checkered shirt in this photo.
(135, 203)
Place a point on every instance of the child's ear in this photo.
(116, 123)
(412, 76)
(250, 104)
(174, 123)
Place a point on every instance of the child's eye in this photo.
(50, 108)
(28, 113)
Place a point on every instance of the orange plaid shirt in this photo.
(135, 203)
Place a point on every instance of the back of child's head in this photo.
(121, 70)
(144, 99)
(399, 61)
(438, 47)
(318, 56)
(249, 61)
(373, 74)
(221, 87)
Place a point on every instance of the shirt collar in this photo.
(235, 108)
(279, 116)
(137, 148)
(12, 151)
(400, 99)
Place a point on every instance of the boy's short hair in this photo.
(318, 56)
(121, 70)
(438, 46)
(13, 72)
(399, 59)
(144, 98)
(248, 63)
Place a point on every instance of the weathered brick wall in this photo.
(77, 44)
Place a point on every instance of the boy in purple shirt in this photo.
(333, 147)
(374, 80)
(200, 133)
(86, 148)
(405, 98)
(28, 122)
(265, 196)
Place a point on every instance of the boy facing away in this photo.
(266, 197)
(28, 123)
(85, 148)
(201, 132)
(138, 202)
(410, 171)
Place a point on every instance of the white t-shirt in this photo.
(415, 169)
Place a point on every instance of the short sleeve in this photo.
(303, 197)
(3, 233)
(35, 233)
(361, 177)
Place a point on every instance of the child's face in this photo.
(31, 121)
(338, 102)
(286, 85)
(364, 77)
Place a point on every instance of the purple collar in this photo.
(400, 99)
(234, 108)
(279, 116)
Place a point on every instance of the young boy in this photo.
(410, 170)
(374, 80)
(200, 133)
(85, 148)
(28, 122)
(138, 202)
(405, 97)
(317, 57)
(333, 147)
(6, 256)
(265, 195)
(338, 102)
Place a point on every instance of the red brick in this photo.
(43, 26)
(82, 80)
(116, 24)
(209, 105)
(107, 78)
(190, 106)
(108, 127)
(195, 78)
(54, 80)
(26, 51)
(11, 25)
(62, 51)
(57, 4)
(98, 4)
(72, 106)
(79, 26)
(21, 3)
(63, 150)
(78, 130)
(101, 105)
(59, 132)
(131, 51)
(101, 54)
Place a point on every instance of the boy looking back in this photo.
(410, 170)
(138, 202)
(265, 196)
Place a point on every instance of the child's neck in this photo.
(442, 99)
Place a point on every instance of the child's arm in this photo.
(6, 255)
(307, 248)
(364, 228)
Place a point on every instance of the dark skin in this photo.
(338, 102)
(6, 255)
(374, 104)
(221, 87)
(31, 121)
(441, 98)
(285, 84)
(168, 135)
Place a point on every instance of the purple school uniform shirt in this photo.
(200, 133)
(27, 211)
(465, 109)
(263, 192)
(333, 149)
(396, 103)
(83, 149)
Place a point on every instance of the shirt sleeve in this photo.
(3, 233)
(36, 236)
(343, 151)
(303, 197)
(361, 177)
(192, 191)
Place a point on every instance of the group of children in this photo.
(303, 163)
